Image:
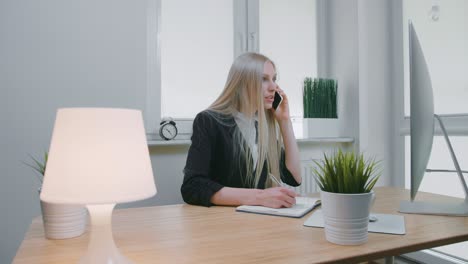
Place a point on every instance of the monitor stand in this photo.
(434, 208)
(440, 208)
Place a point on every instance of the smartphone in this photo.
(277, 100)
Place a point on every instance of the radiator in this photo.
(308, 182)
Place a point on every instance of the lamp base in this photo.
(101, 246)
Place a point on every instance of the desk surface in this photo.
(194, 234)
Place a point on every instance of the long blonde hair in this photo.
(243, 93)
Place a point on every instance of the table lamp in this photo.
(98, 157)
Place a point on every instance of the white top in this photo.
(249, 132)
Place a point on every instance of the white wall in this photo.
(358, 52)
(339, 29)
(443, 41)
(375, 83)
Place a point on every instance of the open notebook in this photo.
(303, 206)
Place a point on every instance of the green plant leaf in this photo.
(38, 166)
(346, 173)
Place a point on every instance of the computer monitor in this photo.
(422, 133)
(421, 112)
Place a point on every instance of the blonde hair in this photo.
(243, 93)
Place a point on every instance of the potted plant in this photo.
(60, 221)
(39, 167)
(320, 107)
(346, 181)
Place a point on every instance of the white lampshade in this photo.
(98, 156)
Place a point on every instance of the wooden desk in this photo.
(194, 234)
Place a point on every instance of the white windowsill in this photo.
(325, 140)
(187, 142)
(175, 142)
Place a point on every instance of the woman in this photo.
(237, 156)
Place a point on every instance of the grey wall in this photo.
(63, 54)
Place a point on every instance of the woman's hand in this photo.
(282, 112)
(277, 197)
(289, 139)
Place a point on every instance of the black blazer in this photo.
(211, 164)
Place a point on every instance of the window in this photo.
(288, 37)
(197, 49)
(441, 28)
(198, 40)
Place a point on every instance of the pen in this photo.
(275, 180)
(281, 184)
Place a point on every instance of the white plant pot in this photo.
(346, 217)
(321, 127)
(63, 221)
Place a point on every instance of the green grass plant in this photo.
(346, 173)
(39, 166)
(320, 98)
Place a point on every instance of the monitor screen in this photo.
(421, 112)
